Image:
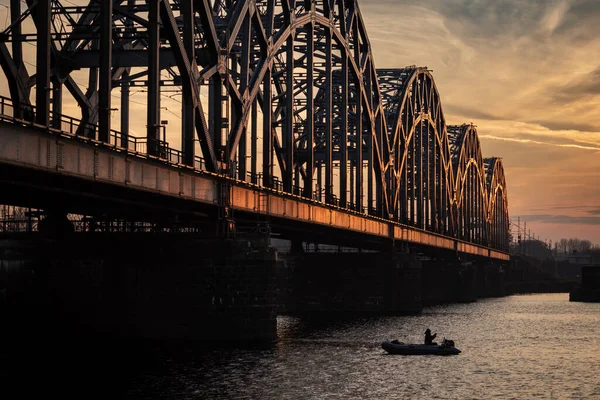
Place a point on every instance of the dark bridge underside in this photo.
(39, 189)
(27, 187)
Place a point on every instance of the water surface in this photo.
(517, 347)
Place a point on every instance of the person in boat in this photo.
(429, 337)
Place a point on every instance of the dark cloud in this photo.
(588, 84)
(517, 18)
(576, 24)
(473, 20)
(580, 88)
(565, 95)
(561, 219)
(595, 212)
(492, 18)
(467, 112)
(567, 125)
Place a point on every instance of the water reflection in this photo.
(514, 347)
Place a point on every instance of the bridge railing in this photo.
(159, 148)
(6, 108)
(76, 127)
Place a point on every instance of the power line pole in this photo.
(519, 234)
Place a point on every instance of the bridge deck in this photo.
(30, 147)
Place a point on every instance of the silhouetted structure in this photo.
(287, 129)
(281, 94)
(589, 291)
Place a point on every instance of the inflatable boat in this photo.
(445, 349)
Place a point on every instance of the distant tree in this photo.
(575, 245)
(572, 244)
(563, 246)
(585, 246)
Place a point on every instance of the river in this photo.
(519, 347)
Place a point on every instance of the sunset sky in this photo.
(525, 72)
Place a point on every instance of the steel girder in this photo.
(419, 171)
(440, 179)
(471, 193)
(264, 59)
(282, 93)
(497, 203)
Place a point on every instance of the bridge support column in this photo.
(347, 284)
(490, 280)
(403, 285)
(448, 281)
(466, 283)
(144, 286)
(55, 224)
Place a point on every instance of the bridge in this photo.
(284, 121)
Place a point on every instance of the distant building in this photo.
(589, 290)
(570, 265)
(578, 259)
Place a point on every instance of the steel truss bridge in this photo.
(282, 109)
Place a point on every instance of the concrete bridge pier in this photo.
(403, 284)
(459, 281)
(55, 223)
(350, 283)
(490, 279)
(140, 286)
(466, 283)
(448, 280)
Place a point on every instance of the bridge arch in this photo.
(279, 93)
(310, 63)
(248, 71)
(419, 174)
(471, 193)
(497, 204)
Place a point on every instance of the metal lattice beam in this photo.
(280, 93)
